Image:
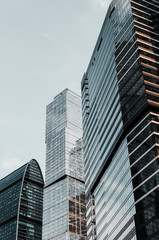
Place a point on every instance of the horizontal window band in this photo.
(149, 66)
(123, 135)
(131, 97)
(143, 6)
(136, 3)
(150, 75)
(143, 34)
(136, 15)
(146, 50)
(143, 24)
(144, 42)
(153, 103)
(129, 86)
(139, 10)
(152, 93)
(126, 54)
(147, 58)
(144, 29)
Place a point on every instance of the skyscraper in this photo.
(21, 203)
(64, 215)
(120, 103)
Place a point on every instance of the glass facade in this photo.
(21, 198)
(121, 124)
(64, 216)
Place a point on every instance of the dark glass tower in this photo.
(120, 102)
(21, 203)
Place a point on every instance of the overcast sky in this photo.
(45, 46)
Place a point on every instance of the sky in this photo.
(45, 47)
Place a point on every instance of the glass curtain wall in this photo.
(137, 58)
(21, 197)
(64, 214)
(120, 121)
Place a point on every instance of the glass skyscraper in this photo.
(64, 216)
(120, 104)
(21, 203)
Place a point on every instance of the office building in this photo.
(120, 105)
(21, 203)
(64, 216)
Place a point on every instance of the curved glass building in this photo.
(120, 103)
(21, 203)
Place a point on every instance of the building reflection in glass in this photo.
(64, 194)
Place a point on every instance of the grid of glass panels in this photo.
(55, 210)
(63, 129)
(55, 138)
(77, 208)
(75, 161)
(21, 198)
(10, 188)
(31, 204)
(64, 211)
(115, 206)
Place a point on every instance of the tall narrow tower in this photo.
(64, 194)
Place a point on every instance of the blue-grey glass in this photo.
(64, 215)
(21, 198)
(115, 206)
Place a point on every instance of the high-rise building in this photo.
(21, 203)
(120, 104)
(64, 216)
